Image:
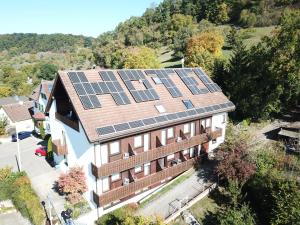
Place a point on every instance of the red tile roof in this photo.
(18, 111)
(109, 113)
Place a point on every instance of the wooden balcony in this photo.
(131, 188)
(71, 123)
(59, 148)
(132, 161)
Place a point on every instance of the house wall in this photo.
(42, 102)
(25, 125)
(218, 122)
(80, 151)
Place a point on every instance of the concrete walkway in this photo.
(166, 204)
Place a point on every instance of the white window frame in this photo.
(192, 128)
(138, 169)
(107, 184)
(185, 152)
(114, 147)
(163, 137)
(147, 172)
(170, 132)
(138, 141)
(104, 153)
(186, 128)
(115, 177)
(146, 142)
(208, 123)
(171, 156)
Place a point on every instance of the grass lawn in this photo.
(251, 36)
(201, 210)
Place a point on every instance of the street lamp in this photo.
(14, 130)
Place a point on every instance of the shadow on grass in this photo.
(210, 218)
(175, 59)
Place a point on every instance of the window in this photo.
(156, 80)
(163, 137)
(44, 96)
(170, 132)
(208, 123)
(224, 118)
(146, 169)
(146, 142)
(35, 104)
(185, 152)
(186, 128)
(172, 156)
(104, 153)
(214, 141)
(188, 104)
(115, 176)
(137, 141)
(192, 129)
(137, 169)
(105, 184)
(192, 152)
(160, 108)
(114, 148)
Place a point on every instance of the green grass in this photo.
(251, 36)
(168, 187)
(200, 210)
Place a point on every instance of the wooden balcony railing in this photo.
(132, 161)
(71, 123)
(59, 148)
(131, 188)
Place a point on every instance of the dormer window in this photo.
(160, 108)
(188, 104)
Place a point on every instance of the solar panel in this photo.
(200, 110)
(149, 94)
(79, 89)
(73, 77)
(182, 114)
(211, 86)
(82, 77)
(104, 76)
(117, 98)
(160, 119)
(96, 88)
(192, 112)
(111, 87)
(88, 88)
(124, 98)
(103, 87)
(86, 102)
(135, 124)
(149, 121)
(172, 116)
(121, 127)
(95, 101)
(105, 130)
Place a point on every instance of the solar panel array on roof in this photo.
(164, 118)
(84, 90)
(163, 75)
(211, 86)
(149, 94)
(190, 82)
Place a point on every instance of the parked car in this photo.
(22, 135)
(41, 151)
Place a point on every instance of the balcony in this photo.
(159, 152)
(71, 123)
(59, 148)
(216, 133)
(131, 188)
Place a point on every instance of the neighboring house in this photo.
(40, 96)
(18, 115)
(133, 130)
(12, 100)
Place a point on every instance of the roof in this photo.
(39, 116)
(294, 125)
(12, 99)
(18, 112)
(288, 133)
(107, 120)
(44, 87)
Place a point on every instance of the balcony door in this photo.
(104, 154)
(146, 142)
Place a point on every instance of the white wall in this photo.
(80, 151)
(25, 125)
(217, 122)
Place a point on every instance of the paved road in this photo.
(13, 218)
(41, 174)
(165, 204)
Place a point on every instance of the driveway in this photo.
(41, 174)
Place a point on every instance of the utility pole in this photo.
(18, 147)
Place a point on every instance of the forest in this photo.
(212, 34)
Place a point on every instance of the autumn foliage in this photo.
(73, 184)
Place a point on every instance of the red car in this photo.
(41, 151)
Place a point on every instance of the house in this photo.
(18, 116)
(290, 134)
(133, 130)
(40, 97)
(12, 100)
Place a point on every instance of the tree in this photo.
(47, 71)
(73, 184)
(5, 91)
(141, 58)
(49, 150)
(42, 130)
(247, 18)
(203, 49)
(236, 216)
(3, 124)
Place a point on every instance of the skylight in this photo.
(188, 104)
(160, 108)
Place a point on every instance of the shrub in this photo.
(42, 130)
(73, 184)
(3, 124)
(49, 156)
(247, 18)
(5, 173)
